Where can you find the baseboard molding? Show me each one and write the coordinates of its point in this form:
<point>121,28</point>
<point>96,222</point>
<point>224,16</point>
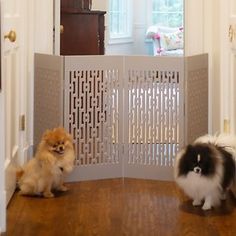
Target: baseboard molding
<point>28,153</point>
<point>3,212</point>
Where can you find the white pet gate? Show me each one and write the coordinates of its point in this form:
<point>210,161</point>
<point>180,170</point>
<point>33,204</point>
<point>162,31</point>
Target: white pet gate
<point>128,115</point>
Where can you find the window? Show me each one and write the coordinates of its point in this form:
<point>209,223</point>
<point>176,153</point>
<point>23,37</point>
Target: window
<point>167,12</point>
<point>120,21</point>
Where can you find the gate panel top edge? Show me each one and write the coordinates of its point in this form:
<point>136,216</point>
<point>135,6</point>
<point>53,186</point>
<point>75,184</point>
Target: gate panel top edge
<point>93,62</point>
<point>165,63</point>
<point>52,62</point>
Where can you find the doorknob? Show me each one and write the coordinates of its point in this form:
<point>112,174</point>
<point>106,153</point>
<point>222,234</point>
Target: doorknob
<point>11,36</point>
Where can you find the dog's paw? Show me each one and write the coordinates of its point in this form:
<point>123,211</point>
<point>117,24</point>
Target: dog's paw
<point>196,202</point>
<point>223,196</point>
<point>206,206</point>
<point>48,194</point>
<point>63,188</point>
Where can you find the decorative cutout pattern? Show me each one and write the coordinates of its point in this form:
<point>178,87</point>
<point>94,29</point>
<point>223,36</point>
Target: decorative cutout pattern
<point>93,115</point>
<point>153,117</point>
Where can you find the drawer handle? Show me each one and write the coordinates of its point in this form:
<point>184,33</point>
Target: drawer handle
<point>61,29</point>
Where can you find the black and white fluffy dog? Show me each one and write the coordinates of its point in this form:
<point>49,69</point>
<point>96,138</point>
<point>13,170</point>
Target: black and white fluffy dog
<point>205,170</point>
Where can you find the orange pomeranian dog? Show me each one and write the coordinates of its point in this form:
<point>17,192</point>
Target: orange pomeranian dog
<point>45,172</point>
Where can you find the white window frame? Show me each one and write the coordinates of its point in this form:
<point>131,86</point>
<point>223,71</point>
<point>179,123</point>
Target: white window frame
<point>149,16</point>
<point>127,37</point>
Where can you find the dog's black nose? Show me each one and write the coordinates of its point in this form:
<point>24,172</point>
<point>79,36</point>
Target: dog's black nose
<point>61,148</point>
<point>197,170</point>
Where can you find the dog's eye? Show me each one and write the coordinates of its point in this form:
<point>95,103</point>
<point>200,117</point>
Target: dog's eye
<point>62,142</point>
<point>54,146</point>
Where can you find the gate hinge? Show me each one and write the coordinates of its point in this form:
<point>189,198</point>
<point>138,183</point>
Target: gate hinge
<point>226,126</point>
<point>22,122</point>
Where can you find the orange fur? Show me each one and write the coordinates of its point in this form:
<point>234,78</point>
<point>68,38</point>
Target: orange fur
<point>19,174</point>
<point>45,172</point>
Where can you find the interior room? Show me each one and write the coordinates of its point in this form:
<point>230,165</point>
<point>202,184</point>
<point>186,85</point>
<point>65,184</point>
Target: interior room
<point>102,106</point>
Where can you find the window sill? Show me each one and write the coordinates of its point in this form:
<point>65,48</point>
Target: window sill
<point>121,40</point>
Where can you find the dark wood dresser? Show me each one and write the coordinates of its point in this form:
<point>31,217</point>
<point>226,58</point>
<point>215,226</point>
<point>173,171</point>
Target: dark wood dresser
<point>82,33</point>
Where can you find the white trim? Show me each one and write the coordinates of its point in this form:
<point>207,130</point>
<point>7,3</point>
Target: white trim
<point>43,26</point>
<point>224,65</point>
<point>3,212</point>
<point>120,40</point>
<point>232,58</point>
<point>2,138</point>
<point>57,16</point>
<point>27,153</point>
<point>193,27</point>
<point>30,75</point>
<point>126,39</point>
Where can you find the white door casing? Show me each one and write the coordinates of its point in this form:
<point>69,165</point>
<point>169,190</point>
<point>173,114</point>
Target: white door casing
<point>43,25</point>
<point>232,62</point>
<point>56,26</point>
<point>2,148</point>
<point>228,65</point>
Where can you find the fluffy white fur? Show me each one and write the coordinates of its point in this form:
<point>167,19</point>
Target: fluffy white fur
<point>202,188</point>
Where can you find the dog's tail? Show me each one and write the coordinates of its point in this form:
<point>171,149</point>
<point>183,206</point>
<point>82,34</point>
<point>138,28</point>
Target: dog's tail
<point>221,140</point>
<point>225,141</point>
<point>19,173</point>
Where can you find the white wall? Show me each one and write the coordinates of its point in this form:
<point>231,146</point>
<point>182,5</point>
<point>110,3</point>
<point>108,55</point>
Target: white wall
<point>40,40</point>
<point>43,23</point>
<point>194,27</point>
<point>212,47</point>
<point>202,35</point>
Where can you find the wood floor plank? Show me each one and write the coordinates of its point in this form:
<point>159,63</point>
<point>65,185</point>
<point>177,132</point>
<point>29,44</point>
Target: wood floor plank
<point>118,207</point>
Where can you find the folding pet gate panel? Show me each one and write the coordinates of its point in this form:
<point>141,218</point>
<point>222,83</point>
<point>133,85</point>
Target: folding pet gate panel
<point>128,115</point>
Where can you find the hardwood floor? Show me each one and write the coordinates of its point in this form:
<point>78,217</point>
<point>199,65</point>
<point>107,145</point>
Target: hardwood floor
<point>118,207</point>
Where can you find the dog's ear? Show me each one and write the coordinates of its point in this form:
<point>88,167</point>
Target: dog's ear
<point>46,134</point>
<point>189,148</point>
<point>60,129</point>
<point>69,136</point>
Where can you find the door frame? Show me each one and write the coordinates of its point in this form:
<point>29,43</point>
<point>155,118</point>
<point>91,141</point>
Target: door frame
<point>2,142</point>
<point>227,82</point>
<point>56,26</point>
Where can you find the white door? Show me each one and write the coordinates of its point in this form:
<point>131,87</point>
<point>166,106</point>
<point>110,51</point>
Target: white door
<point>228,65</point>
<point>12,71</point>
<point>10,97</point>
